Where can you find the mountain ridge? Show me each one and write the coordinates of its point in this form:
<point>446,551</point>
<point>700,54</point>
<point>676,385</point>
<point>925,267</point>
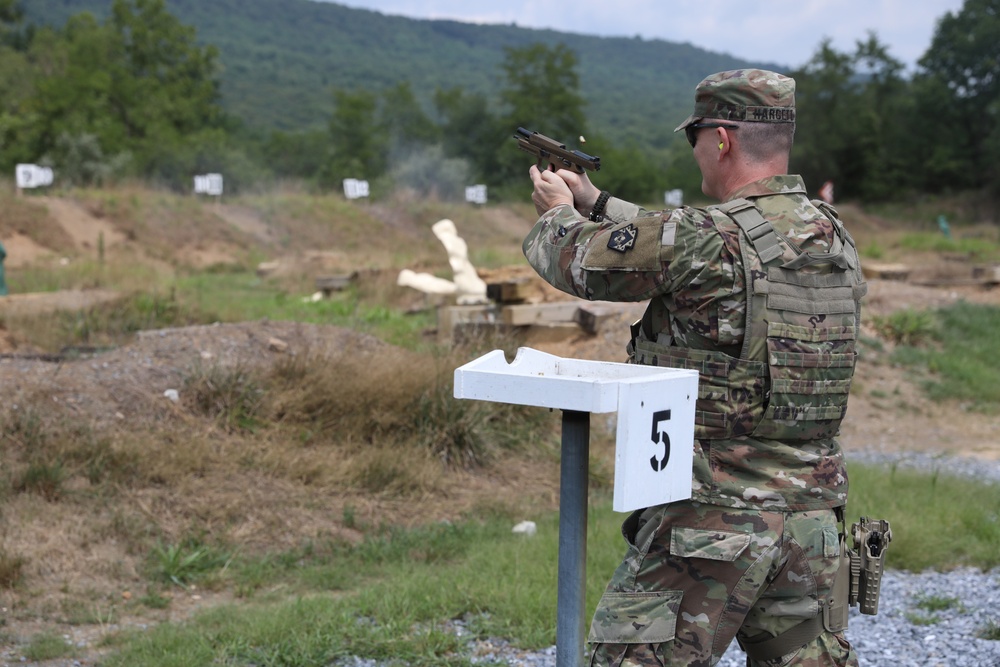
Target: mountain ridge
<point>281,59</point>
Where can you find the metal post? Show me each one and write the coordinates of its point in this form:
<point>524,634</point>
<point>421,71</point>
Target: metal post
<point>572,582</point>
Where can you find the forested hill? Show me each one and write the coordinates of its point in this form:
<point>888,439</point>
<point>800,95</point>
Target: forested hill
<point>281,59</point>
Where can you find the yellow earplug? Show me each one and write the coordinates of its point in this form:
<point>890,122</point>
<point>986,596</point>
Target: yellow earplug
<point>721,144</point>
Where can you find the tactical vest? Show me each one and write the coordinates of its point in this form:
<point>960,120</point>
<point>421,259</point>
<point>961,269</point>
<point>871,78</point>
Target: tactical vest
<point>803,312</point>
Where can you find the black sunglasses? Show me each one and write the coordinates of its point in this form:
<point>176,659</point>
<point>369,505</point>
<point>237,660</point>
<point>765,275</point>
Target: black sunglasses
<point>692,135</point>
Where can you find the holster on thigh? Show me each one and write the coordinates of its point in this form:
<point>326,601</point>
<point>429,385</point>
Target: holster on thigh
<point>833,616</point>
<point>836,609</point>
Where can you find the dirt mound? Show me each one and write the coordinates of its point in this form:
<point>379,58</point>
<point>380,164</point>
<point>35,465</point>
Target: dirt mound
<point>129,383</point>
<point>87,231</point>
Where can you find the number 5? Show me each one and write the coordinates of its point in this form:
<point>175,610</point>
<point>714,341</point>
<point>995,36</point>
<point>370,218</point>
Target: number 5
<point>660,436</point>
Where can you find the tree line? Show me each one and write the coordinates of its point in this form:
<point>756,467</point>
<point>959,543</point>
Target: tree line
<point>136,96</point>
<point>881,134</point>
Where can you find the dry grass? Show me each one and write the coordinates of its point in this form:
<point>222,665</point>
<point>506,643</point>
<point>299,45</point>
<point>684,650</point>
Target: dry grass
<point>111,322</point>
<point>263,453</point>
<point>167,224</point>
<point>397,396</point>
<point>11,569</point>
<point>22,215</point>
<point>310,389</point>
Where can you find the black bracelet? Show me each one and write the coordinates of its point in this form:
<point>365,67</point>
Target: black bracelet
<point>597,213</point>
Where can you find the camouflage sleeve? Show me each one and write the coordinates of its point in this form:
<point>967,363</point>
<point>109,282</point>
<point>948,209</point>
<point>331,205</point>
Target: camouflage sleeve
<point>629,260</point>
<point>620,210</point>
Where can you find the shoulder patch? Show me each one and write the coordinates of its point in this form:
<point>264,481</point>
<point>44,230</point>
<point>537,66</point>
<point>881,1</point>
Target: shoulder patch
<point>628,246</point>
<point>623,240</point>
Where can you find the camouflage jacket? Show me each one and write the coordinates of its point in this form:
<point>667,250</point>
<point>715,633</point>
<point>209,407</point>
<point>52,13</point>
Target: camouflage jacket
<point>688,263</point>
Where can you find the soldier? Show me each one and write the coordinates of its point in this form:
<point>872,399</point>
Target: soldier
<point>760,294</point>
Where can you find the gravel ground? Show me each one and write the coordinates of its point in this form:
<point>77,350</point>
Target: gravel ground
<point>958,466</point>
<point>902,634</point>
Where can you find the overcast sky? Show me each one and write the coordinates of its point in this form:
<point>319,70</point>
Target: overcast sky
<point>786,32</point>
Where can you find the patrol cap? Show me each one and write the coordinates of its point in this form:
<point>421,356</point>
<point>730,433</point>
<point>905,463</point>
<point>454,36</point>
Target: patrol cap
<point>754,95</point>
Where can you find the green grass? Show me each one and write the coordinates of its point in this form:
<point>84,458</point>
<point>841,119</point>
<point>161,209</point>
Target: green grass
<point>991,631</point>
<point>934,603</point>
<point>405,587</point>
<point>229,296</point>
<point>81,273</point>
<point>392,596</point>
<point>928,605</point>
<point>938,521</point>
<point>962,365</point>
<point>47,646</point>
<point>106,324</point>
<point>873,250</point>
<point>491,258</point>
<point>408,585</point>
<point>44,479</point>
<point>242,296</point>
<point>922,619</point>
<point>906,326</point>
<point>183,563</point>
<point>977,248</point>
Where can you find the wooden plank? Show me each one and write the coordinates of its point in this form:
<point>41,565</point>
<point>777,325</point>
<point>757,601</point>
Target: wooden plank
<point>327,284</point>
<point>511,291</point>
<point>988,274</point>
<point>549,333</point>
<point>452,317</point>
<point>539,313</point>
<point>590,316</point>
<point>886,271</point>
<point>594,316</point>
<point>956,282</point>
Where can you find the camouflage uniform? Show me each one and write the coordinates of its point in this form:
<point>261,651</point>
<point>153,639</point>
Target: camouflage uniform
<point>755,550</point>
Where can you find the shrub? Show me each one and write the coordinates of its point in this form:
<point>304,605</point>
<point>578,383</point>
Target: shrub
<point>229,394</point>
<point>11,569</point>
<point>183,563</point>
<point>906,326</point>
<point>45,479</point>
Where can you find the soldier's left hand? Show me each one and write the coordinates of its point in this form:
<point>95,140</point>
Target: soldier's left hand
<point>550,190</point>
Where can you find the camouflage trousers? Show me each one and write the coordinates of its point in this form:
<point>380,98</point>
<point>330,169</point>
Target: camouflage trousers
<point>697,576</point>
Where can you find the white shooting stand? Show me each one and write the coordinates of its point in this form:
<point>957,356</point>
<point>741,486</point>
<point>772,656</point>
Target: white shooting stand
<point>653,451</point>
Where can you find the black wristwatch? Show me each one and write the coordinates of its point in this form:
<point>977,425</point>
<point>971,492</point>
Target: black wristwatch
<point>597,213</point>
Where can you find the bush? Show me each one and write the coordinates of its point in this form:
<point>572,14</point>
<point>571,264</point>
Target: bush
<point>906,326</point>
<point>231,395</point>
<point>45,479</point>
<point>11,569</point>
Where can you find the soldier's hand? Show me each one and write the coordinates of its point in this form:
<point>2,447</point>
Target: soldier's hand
<point>550,190</point>
<point>584,192</point>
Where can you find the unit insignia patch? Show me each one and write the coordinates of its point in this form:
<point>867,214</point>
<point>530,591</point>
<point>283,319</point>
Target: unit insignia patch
<point>623,239</point>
